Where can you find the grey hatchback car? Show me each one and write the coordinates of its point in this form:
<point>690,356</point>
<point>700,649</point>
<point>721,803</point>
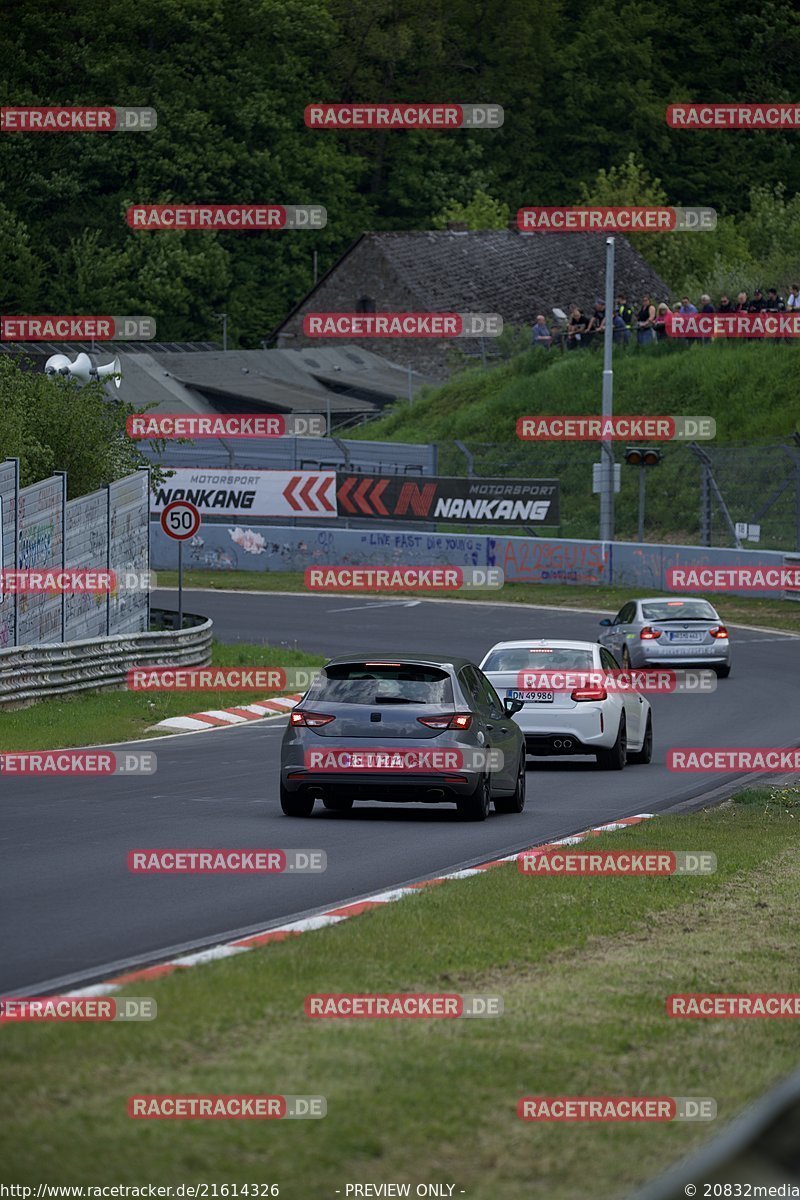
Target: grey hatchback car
<point>403,728</point>
<point>660,631</point>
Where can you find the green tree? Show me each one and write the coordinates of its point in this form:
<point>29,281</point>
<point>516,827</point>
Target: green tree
<point>51,423</point>
<point>480,212</point>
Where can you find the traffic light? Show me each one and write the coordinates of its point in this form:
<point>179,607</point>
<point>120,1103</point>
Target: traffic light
<point>643,456</point>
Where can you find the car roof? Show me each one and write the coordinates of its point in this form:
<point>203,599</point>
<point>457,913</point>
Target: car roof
<point>671,599</point>
<point>551,643</point>
<point>452,661</point>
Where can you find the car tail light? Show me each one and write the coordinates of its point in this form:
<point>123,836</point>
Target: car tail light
<point>447,721</point>
<point>719,631</point>
<point>589,693</point>
<point>647,634</point>
<point>301,716</point>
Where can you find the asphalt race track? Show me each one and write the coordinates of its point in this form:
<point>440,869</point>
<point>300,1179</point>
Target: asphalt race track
<point>64,843</point>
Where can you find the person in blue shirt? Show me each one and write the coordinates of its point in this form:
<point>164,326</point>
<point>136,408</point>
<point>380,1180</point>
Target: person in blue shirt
<point>687,306</point>
<point>540,334</point>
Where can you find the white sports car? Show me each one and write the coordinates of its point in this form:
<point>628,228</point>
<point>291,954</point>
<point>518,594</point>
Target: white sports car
<point>613,723</point>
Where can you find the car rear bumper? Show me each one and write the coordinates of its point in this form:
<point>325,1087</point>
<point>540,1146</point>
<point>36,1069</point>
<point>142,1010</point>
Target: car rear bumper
<point>585,726</point>
<point>547,744</point>
<point>427,787</point>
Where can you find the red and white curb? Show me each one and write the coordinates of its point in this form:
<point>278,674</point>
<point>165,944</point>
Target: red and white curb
<point>334,915</point>
<point>230,716</point>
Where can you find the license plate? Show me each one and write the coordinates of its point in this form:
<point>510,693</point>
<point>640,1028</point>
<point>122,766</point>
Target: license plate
<point>675,636</point>
<point>532,697</point>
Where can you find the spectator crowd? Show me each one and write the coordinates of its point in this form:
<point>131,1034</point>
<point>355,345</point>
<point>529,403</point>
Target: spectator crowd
<point>647,322</point>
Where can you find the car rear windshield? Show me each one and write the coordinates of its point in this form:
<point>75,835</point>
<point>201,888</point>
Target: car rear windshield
<point>522,658</point>
<point>679,610</point>
<point>379,683</point>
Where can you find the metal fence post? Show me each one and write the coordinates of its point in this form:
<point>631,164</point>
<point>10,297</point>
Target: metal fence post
<point>16,547</point>
<point>108,555</point>
<point>63,475</point>
<point>147,518</point>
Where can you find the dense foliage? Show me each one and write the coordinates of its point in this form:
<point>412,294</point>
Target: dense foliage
<point>584,89</point>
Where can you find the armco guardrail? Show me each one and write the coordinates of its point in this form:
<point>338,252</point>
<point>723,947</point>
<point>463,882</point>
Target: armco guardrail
<point>33,672</point>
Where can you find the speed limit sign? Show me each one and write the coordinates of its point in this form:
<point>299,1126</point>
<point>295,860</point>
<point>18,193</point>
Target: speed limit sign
<point>180,520</point>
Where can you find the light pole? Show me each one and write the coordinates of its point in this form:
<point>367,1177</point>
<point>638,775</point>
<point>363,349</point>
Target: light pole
<point>224,318</point>
<point>607,446</point>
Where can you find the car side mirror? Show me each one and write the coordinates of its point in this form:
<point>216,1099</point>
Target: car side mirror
<point>511,706</point>
<point>606,621</point>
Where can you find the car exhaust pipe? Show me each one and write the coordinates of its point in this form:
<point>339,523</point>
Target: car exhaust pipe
<point>567,744</point>
<point>557,743</point>
<point>317,792</point>
<point>434,794</point>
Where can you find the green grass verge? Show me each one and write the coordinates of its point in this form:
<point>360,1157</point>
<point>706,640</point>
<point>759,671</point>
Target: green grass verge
<point>93,718</point>
<point>773,614</point>
<point>584,966</point>
<point>747,387</point>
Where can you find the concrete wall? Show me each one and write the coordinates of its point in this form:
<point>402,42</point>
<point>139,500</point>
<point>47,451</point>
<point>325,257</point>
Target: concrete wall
<point>264,547</point>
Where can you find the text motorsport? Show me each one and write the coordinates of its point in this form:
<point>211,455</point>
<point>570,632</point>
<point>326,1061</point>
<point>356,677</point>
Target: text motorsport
<point>617,1108</point>
<point>78,762</point>
<point>401,325</point>
<point>227,218</point>
<point>395,115</point>
<point>214,679</point>
<point>398,579</point>
<point>77,1008</point>
<point>615,429</point>
<point>620,219</point>
<point>230,1107</point>
<point>402,1006</point>
<point>230,425</point>
<point>221,862</point>
<point>554,860</point>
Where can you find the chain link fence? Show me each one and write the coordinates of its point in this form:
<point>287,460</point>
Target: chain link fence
<point>697,494</point>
